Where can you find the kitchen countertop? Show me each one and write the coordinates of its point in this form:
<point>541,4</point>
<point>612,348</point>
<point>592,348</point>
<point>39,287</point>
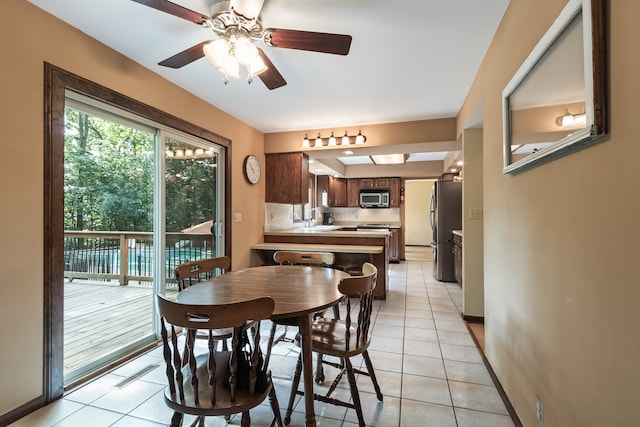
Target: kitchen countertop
<point>314,247</point>
<point>327,230</point>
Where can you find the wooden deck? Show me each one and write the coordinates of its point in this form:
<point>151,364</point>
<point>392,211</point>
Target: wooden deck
<point>100,317</point>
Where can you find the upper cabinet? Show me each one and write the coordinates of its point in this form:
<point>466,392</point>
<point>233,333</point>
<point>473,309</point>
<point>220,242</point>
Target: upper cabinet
<point>343,192</point>
<point>395,185</point>
<point>381,183</point>
<point>353,193</point>
<point>336,189</point>
<point>354,185</point>
<point>287,177</point>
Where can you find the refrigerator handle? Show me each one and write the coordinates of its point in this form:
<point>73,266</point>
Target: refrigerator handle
<point>432,212</point>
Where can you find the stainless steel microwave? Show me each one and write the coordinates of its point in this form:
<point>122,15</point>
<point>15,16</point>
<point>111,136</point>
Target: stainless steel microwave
<point>374,198</point>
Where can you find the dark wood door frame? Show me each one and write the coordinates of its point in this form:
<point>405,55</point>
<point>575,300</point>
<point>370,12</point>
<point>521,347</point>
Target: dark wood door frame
<point>56,82</point>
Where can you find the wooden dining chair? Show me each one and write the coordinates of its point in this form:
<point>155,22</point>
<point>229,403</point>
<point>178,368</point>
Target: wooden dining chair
<point>196,271</point>
<point>324,259</point>
<point>190,273</point>
<point>216,383</point>
<point>304,258</point>
<point>344,339</point>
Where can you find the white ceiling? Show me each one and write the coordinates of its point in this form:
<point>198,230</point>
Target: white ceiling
<point>409,59</point>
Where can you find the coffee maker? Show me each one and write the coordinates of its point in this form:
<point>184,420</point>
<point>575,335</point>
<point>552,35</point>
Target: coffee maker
<point>327,218</point>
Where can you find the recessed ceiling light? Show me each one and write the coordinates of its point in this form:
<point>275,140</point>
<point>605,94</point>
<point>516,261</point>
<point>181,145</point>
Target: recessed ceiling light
<point>347,152</point>
<point>454,170</point>
<point>389,159</point>
<point>311,161</point>
<point>460,163</point>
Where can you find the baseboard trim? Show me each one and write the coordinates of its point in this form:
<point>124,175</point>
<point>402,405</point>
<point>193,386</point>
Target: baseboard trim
<point>494,378</point>
<point>473,319</point>
<point>22,410</point>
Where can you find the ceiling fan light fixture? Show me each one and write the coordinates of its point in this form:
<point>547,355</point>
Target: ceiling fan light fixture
<point>245,51</point>
<point>256,66</point>
<point>237,24</point>
<point>231,68</point>
<point>217,51</point>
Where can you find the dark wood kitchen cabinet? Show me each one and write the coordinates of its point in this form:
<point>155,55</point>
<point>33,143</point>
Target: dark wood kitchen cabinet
<point>337,192</point>
<point>287,178</point>
<point>394,245</point>
<point>457,257</point>
<point>381,183</point>
<point>366,183</point>
<point>353,192</point>
<point>336,189</point>
<point>394,192</point>
<point>393,184</point>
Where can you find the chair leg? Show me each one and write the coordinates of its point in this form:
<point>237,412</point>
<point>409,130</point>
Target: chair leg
<point>294,390</point>
<point>246,419</point>
<point>176,419</point>
<point>336,311</point>
<point>270,343</point>
<point>372,374</point>
<point>354,391</point>
<point>275,407</point>
<point>273,341</point>
<point>319,378</point>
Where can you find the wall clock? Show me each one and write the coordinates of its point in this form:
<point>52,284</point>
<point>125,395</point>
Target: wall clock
<point>252,169</point>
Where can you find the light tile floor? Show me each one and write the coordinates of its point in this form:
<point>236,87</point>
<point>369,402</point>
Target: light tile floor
<point>427,364</point>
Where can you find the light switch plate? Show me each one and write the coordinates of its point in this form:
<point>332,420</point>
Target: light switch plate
<point>475,213</point>
<point>237,217</point>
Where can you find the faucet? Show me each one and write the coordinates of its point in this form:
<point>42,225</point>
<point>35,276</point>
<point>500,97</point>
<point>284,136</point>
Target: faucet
<point>309,220</point>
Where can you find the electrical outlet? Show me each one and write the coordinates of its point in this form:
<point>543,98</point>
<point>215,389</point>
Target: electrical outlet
<point>475,213</point>
<point>237,217</point>
<point>540,411</point>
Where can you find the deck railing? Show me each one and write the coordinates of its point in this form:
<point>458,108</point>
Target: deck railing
<point>114,255</point>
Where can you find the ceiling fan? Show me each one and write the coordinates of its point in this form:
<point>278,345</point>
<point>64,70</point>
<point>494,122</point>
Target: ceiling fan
<point>237,23</point>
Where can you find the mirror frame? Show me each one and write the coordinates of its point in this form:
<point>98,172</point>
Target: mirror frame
<point>594,77</point>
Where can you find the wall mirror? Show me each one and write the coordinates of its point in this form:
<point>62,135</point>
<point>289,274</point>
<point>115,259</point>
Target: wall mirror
<point>556,100</point>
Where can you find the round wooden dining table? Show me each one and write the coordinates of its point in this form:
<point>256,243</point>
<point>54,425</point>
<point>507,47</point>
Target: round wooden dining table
<point>298,292</point>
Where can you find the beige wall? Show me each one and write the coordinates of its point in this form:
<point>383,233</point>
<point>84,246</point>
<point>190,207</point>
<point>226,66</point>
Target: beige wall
<point>417,230</point>
<point>561,242</point>
<point>440,132</point>
<point>28,38</point>
<point>473,230</point>
<point>561,239</point>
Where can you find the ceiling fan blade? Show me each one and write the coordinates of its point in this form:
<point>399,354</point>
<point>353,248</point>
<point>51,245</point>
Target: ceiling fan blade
<point>185,57</point>
<point>271,78</point>
<point>337,44</point>
<point>175,10</point>
<point>248,9</point>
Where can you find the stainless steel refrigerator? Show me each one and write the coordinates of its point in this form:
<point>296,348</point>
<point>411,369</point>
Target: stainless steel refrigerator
<point>445,215</point>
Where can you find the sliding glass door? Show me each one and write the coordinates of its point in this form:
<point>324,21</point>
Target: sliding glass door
<point>193,202</point>
<point>139,200</point>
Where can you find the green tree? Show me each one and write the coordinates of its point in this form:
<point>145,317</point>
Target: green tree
<point>108,175</point>
<point>109,178</point>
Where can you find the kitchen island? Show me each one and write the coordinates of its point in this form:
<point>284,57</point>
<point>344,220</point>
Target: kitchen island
<point>351,248</point>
